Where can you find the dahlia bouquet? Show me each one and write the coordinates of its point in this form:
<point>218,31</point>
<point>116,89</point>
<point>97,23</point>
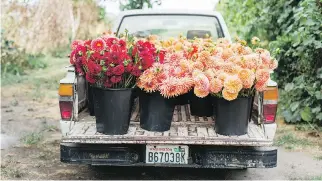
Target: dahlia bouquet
<point>233,70</point>
<point>169,80</point>
<point>113,62</point>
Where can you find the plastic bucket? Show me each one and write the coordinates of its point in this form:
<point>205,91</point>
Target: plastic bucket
<point>156,112</point>
<point>113,109</point>
<point>202,107</point>
<point>232,117</point>
<point>90,100</point>
<point>182,99</point>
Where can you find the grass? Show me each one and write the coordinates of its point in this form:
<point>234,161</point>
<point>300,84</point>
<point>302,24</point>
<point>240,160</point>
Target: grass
<point>32,138</point>
<point>50,128</point>
<point>308,178</point>
<point>318,157</point>
<point>10,170</point>
<point>290,141</point>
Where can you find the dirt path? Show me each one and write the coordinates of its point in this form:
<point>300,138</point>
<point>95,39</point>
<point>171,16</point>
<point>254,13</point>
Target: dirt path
<point>30,142</point>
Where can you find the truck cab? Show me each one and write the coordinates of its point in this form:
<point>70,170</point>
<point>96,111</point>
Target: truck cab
<point>202,147</point>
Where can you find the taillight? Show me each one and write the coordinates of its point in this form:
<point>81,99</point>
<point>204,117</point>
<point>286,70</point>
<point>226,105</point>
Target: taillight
<point>270,104</point>
<point>66,109</point>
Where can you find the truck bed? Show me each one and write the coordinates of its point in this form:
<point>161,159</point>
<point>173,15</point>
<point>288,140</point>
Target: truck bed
<point>185,129</point>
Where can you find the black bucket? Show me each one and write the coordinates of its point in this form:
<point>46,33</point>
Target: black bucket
<point>90,100</point>
<point>232,117</point>
<point>202,107</point>
<point>182,99</point>
<point>113,110</point>
<point>156,112</point>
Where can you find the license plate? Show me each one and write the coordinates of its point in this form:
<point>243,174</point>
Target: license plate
<point>172,154</point>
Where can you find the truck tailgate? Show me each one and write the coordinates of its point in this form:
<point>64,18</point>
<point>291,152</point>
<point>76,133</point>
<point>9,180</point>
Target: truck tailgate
<point>185,129</point>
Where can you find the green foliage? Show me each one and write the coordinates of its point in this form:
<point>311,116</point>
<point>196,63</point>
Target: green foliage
<point>294,31</point>
<point>138,4</point>
<point>14,60</point>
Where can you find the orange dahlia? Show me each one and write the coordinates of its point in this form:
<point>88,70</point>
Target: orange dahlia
<point>229,96</point>
<point>216,85</point>
<point>228,52</point>
<point>233,84</point>
<point>262,75</point>
<point>197,65</point>
<point>260,87</point>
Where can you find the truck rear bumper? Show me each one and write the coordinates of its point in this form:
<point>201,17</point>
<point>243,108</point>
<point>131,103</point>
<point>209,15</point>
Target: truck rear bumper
<point>199,156</point>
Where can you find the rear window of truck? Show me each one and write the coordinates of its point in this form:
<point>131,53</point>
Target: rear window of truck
<point>166,26</point>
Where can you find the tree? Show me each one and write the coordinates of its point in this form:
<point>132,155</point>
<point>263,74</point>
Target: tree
<point>292,30</point>
<point>138,4</point>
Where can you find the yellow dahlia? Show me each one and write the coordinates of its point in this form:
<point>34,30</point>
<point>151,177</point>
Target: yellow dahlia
<point>200,92</point>
<point>233,84</point>
<point>255,40</point>
<point>229,96</point>
<point>209,74</point>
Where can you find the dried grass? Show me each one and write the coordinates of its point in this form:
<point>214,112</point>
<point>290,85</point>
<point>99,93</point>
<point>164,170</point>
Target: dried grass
<point>43,26</point>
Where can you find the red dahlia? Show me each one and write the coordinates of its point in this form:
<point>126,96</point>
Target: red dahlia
<point>116,79</point>
<point>98,45</point>
<point>118,70</point>
<point>90,78</point>
<point>75,43</point>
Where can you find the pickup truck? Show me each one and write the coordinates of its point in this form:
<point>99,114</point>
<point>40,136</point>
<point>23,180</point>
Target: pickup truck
<point>204,148</point>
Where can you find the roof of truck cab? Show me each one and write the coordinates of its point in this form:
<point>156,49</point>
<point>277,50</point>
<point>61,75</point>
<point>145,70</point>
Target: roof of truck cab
<point>172,11</point>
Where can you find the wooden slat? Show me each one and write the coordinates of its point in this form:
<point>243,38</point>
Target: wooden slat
<point>256,132</point>
<point>173,131</point>
<point>211,131</point>
<point>76,127</point>
<point>259,130</point>
<point>91,130</point>
<point>81,130</point>
<point>158,133</point>
<point>179,113</point>
<point>135,113</point>
<point>250,132</point>
<point>186,110</point>
<point>149,133</point>
<point>131,130</point>
<point>182,131</point>
<point>166,133</point>
<point>183,113</point>
<point>175,114</point>
<point>202,131</point>
<point>196,118</point>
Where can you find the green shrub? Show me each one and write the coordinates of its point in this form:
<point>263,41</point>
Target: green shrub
<point>14,60</point>
<point>294,31</point>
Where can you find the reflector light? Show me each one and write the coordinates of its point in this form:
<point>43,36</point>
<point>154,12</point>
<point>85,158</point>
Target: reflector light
<point>66,109</point>
<point>270,104</point>
<point>65,89</point>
